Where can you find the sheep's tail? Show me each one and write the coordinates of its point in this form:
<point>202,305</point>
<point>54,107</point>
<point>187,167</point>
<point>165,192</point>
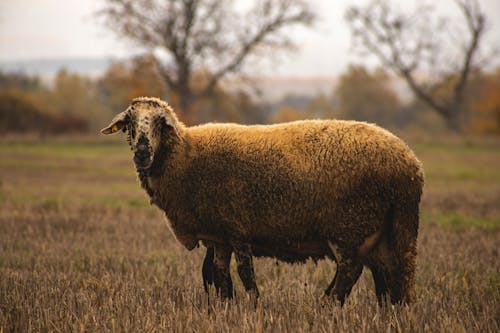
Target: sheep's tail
<point>403,238</point>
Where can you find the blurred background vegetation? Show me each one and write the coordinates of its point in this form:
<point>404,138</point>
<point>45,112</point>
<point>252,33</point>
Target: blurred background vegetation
<point>198,55</point>
<point>75,103</point>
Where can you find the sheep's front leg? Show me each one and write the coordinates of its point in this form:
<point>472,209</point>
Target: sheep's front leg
<point>207,270</point>
<point>245,269</point>
<point>222,276</point>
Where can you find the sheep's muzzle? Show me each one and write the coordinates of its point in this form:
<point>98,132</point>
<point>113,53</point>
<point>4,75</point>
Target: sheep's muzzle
<point>142,155</point>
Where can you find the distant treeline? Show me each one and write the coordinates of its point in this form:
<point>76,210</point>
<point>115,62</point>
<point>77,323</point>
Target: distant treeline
<point>20,115</point>
<point>75,103</point>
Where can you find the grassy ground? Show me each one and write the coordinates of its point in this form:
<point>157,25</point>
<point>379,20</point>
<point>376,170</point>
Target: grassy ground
<point>82,250</point>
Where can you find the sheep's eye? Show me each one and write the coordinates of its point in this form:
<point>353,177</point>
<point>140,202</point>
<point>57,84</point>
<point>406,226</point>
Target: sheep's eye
<point>131,131</point>
<point>158,125</point>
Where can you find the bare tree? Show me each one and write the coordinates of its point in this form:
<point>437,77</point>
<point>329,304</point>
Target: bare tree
<point>420,44</point>
<point>209,36</point>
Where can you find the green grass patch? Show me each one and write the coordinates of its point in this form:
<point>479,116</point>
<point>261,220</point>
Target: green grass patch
<point>67,150</point>
<point>455,220</point>
<point>138,202</point>
<point>457,147</point>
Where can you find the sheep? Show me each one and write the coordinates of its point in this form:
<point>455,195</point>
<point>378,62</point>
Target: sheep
<point>343,190</point>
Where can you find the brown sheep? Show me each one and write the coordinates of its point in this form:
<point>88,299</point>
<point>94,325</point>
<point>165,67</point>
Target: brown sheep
<point>343,190</point>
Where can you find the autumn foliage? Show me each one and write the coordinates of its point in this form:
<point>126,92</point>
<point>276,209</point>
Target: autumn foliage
<point>485,104</point>
<point>75,103</point>
<point>367,96</point>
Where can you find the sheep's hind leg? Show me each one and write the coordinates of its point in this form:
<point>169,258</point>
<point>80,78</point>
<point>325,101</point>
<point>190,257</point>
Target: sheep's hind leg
<point>346,276</point>
<point>380,284</point>
<point>222,276</point>
<point>246,271</point>
<point>349,269</point>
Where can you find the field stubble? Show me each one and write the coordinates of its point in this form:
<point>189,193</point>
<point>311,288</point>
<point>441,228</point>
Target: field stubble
<point>81,250</point>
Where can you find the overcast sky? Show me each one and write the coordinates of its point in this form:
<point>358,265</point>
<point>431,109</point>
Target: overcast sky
<point>34,29</point>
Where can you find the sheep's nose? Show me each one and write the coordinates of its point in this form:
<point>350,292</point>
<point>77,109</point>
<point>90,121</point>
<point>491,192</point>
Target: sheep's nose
<point>142,153</point>
<point>141,156</point>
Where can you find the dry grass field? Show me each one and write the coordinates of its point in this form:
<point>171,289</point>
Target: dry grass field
<point>82,250</point>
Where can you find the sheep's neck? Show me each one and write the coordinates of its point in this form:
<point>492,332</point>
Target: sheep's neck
<point>144,178</point>
<point>151,177</point>
<point>147,177</point>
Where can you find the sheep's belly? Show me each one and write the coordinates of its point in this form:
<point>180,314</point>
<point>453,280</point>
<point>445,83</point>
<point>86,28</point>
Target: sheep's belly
<point>291,251</point>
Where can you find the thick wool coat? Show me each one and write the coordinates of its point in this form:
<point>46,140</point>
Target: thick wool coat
<point>288,188</point>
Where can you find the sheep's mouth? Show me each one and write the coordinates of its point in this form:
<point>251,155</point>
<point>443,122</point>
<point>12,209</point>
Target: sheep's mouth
<point>143,159</point>
<point>142,163</point>
<point>143,166</point>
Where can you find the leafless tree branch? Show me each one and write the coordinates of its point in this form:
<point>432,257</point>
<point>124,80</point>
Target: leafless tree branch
<point>204,35</point>
<point>407,44</point>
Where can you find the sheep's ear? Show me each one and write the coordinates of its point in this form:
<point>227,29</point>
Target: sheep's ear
<point>171,125</point>
<point>119,122</point>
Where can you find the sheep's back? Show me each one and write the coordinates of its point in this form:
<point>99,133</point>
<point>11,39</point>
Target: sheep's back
<point>307,177</point>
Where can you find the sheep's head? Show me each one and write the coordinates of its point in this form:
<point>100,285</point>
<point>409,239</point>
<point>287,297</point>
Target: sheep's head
<point>148,121</point>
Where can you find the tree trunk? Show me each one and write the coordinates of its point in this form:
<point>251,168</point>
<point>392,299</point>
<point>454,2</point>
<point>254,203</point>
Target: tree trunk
<point>186,102</point>
<point>457,118</point>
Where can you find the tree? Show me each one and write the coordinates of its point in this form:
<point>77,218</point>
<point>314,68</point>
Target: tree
<point>366,96</point>
<point>418,44</point>
<point>126,80</point>
<point>75,96</point>
<point>320,106</point>
<point>19,81</point>
<point>287,113</point>
<point>224,105</point>
<point>485,102</point>
<point>188,36</point>
<point>71,93</point>
<point>20,113</point>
